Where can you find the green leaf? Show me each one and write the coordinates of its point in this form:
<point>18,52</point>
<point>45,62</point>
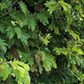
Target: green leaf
<point>3,48</point>
<point>45,40</point>
<point>5,4</point>
<point>34,35</point>
<point>52,5</point>
<point>12,34</point>
<point>46,65</point>
<point>30,61</point>
<point>21,23</point>
<point>43,18</point>
<point>51,26</point>
<point>49,63</point>
<point>6,71</point>
<point>41,83</point>
<point>31,43</point>
<point>9,55</point>
<point>78,50</point>
<point>56,30</point>
<point>52,61</point>
<point>24,38</point>
<point>12,81</point>
<point>19,52</point>
<point>64,5</point>
<point>25,57</point>
<point>23,7</point>
<point>25,66</point>
<point>82,1</point>
<point>32,24</point>
<point>59,51</point>
<point>18,31</point>
<point>21,71</point>
<point>3,45</point>
<point>24,41</point>
<point>75,36</point>
<point>22,76</point>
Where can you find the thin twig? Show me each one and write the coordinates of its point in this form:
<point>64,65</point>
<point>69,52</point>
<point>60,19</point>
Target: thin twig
<point>9,9</point>
<point>4,62</point>
<point>8,78</point>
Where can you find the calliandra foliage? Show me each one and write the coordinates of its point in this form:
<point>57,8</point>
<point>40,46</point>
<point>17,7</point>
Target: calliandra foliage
<point>41,42</point>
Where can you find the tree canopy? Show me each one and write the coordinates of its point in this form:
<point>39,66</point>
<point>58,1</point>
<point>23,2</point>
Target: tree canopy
<point>41,42</point>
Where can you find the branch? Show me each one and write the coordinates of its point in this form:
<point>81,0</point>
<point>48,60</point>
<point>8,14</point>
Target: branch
<point>9,9</point>
<point>8,78</point>
<point>4,62</point>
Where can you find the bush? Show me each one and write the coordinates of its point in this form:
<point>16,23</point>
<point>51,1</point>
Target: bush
<point>41,42</point>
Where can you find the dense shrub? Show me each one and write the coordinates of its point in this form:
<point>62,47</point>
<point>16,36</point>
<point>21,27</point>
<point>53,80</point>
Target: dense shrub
<point>41,42</point>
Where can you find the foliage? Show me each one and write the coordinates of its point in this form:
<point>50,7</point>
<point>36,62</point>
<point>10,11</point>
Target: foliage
<point>41,42</point>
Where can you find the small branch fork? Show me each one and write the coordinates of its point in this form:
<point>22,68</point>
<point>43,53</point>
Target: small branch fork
<point>9,9</point>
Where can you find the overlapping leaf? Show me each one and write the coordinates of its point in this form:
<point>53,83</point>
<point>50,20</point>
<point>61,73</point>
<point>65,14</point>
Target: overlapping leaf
<point>6,71</point>
<point>23,7</point>
<point>43,18</point>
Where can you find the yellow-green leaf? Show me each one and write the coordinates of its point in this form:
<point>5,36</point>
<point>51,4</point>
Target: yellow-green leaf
<point>78,50</point>
<point>64,5</point>
<point>25,66</point>
<point>14,23</point>
<point>40,68</point>
<point>33,67</point>
<point>21,71</point>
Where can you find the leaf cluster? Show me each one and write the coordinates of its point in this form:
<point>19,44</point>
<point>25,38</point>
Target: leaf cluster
<point>41,42</point>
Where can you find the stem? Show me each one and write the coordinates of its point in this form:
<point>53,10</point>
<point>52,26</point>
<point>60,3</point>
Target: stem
<point>4,62</point>
<point>8,78</point>
<point>9,9</point>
